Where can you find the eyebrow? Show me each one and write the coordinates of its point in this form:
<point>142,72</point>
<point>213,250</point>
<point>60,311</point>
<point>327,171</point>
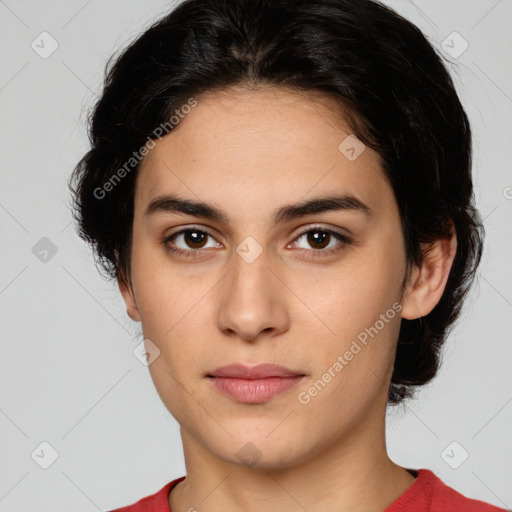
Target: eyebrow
<point>174,204</point>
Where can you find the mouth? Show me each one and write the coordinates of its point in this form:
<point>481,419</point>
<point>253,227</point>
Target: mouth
<point>260,371</point>
<point>254,385</point>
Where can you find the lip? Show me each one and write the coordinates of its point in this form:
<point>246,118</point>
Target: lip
<point>253,391</point>
<point>253,385</point>
<point>260,371</point>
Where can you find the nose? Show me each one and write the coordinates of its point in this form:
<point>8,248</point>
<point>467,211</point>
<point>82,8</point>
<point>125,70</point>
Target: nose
<point>253,301</point>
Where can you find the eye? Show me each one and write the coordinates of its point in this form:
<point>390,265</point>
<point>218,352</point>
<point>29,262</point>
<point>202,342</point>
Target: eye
<point>188,242</point>
<point>322,240</point>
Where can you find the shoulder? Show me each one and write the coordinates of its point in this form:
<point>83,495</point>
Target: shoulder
<point>157,502</point>
<point>430,494</point>
<point>447,498</point>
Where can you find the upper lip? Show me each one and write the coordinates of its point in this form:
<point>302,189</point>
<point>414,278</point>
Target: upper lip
<point>260,371</point>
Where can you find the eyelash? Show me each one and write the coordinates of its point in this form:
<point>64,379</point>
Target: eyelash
<point>193,253</point>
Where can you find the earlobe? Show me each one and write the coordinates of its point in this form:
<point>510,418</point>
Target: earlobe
<point>428,281</point>
<point>128,297</point>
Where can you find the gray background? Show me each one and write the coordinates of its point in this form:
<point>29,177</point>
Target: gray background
<point>68,374</point>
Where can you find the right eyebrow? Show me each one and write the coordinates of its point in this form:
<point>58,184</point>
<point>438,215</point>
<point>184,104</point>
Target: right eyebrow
<point>173,204</point>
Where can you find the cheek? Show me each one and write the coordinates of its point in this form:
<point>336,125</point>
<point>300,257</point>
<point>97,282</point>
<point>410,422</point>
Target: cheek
<point>162,295</point>
<point>357,317</point>
<point>174,311</point>
<point>354,295</point>
<point>170,374</point>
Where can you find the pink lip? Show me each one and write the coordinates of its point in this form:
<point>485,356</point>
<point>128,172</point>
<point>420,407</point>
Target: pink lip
<point>255,384</point>
<point>253,391</point>
<point>260,371</point>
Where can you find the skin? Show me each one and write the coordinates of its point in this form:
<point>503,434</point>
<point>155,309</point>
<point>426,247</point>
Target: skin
<point>250,152</point>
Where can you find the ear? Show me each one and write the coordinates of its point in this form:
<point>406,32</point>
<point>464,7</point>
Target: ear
<point>427,282</point>
<point>129,299</point>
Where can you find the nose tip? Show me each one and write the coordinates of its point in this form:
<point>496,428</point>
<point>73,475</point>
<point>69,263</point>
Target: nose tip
<point>250,307</point>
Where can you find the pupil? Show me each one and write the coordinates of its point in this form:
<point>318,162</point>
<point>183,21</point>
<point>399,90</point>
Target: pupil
<point>319,237</point>
<point>190,235</point>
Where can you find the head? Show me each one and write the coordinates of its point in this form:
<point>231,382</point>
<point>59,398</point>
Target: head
<point>320,159</point>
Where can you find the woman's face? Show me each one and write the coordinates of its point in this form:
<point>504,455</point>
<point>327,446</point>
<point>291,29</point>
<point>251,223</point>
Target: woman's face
<point>259,286</point>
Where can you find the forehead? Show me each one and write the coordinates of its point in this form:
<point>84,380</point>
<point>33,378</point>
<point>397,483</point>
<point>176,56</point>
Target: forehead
<point>249,147</point>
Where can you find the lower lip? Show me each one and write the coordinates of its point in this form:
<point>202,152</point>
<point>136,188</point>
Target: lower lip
<point>254,391</point>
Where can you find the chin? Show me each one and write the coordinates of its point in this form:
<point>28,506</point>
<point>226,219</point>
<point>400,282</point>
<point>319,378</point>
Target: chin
<point>263,454</point>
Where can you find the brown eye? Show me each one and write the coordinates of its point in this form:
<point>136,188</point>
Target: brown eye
<point>189,242</point>
<point>318,239</point>
<point>322,241</point>
<point>195,239</point>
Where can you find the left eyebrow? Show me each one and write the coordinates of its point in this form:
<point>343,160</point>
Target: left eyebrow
<point>174,204</point>
<point>344,202</point>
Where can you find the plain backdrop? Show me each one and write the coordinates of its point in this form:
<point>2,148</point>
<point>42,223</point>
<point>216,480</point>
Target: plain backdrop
<point>69,378</point>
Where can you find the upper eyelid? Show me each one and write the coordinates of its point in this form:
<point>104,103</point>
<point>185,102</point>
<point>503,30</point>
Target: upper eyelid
<point>187,229</point>
<point>303,232</point>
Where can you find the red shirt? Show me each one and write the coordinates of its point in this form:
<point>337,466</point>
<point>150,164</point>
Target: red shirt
<point>427,494</point>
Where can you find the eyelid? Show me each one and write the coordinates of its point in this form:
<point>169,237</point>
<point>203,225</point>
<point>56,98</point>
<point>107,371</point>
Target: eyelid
<point>343,241</point>
<point>307,229</point>
<point>343,238</point>
<point>190,227</point>
<point>319,227</point>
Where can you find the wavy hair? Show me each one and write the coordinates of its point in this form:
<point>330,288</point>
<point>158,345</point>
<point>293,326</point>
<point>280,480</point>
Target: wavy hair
<point>393,90</point>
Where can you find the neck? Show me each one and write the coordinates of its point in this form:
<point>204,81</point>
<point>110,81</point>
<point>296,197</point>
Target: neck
<point>355,473</point>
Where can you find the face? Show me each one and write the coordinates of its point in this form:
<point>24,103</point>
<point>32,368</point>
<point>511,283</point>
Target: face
<point>316,291</point>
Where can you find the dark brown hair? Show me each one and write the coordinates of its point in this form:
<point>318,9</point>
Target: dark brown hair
<point>396,92</point>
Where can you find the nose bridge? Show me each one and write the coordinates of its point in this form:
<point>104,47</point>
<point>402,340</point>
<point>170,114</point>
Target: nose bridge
<point>249,270</point>
<point>250,302</point>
